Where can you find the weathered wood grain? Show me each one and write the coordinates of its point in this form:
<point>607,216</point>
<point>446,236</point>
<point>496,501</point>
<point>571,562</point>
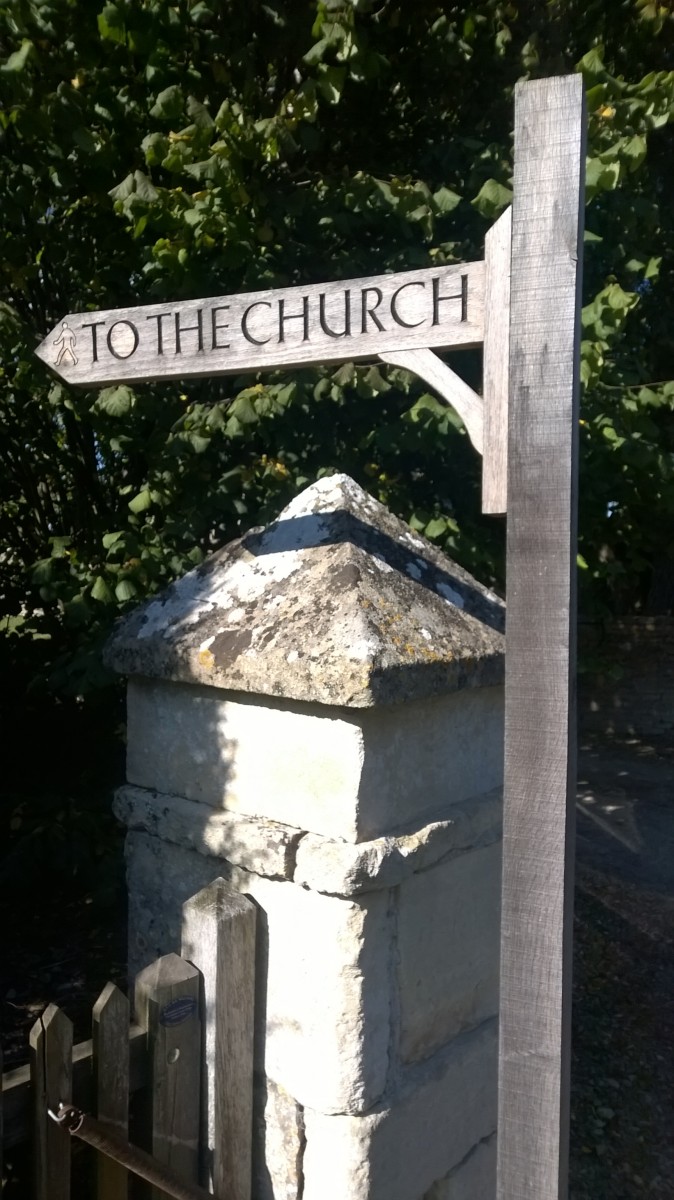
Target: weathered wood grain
<point>16,1085</point>
<point>51,1049</point>
<point>540,647</point>
<point>167,1003</point>
<point>219,938</point>
<point>110,1044</point>
<point>495,372</point>
<point>351,319</point>
<point>447,383</point>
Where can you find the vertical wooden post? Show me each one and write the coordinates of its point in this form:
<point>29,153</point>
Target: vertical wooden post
<point>51,1071</point>
<point>496,368</point>
<point>538,844</point>
<point>110,1048</point>
<point>219,938</point>
<point>167,1003</point>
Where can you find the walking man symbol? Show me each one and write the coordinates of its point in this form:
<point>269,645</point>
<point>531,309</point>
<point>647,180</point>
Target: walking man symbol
<point>68,340</point>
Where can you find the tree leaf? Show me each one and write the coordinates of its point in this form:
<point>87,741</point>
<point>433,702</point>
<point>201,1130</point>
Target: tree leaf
<point>144,188</point>
<point>331,82</point>
<point>116,401</point>
<point>125,590</point>
<point>155,147</point>
<point>445,200</point>
<point>592,64</point>
<point>100,591</point>
<point>141,502</point>
<point>17,61</point>
<point>169,104</point>
<point>492,198</point>
<point>436,527</point>
<point>124,189</point>
<point>199,114</point>
<point>111,24</point>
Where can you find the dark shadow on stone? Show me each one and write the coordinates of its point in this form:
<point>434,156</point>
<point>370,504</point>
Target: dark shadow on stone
<point>340,527</point>
<point>398,684</point>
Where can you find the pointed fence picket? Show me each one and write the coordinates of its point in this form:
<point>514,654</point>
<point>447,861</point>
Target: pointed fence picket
<point>167,1004</point>
<point>51,1070</point>
<point>156,1062</point>
<point>110,1063</point>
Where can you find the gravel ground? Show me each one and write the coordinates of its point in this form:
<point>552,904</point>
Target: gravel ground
<point>622,1144</point>
<point>623,1036</point>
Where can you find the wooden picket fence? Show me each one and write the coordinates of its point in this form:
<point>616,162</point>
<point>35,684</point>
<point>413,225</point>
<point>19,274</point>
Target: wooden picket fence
<point>156,1062</point>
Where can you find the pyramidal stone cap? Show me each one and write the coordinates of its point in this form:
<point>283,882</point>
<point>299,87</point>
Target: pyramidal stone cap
<point>336,602</point>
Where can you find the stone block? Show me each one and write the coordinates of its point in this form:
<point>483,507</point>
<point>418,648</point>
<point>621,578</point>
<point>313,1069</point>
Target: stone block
<point>348,869</point>
<point>448,946</point>
<point>421,759</point>
<point>323,976</point>
<point>316,716</point>
<point>336,601</point>
<point>351,774</point>
<point>398,1151</point>
<point>160,878</point>
<point>473,1179</point>
<point>323,864</point>
<point>263,847</point>
<point>278,1144</point>
<point>299,765</point>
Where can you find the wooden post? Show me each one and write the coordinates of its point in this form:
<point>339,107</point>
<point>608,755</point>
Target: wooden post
<point>496,367</point>
<point>167,1003</point>
<point>110,1043</point>
<point>538,844</point>
<point>51,1068</point>
<point>2,1127</point>
<point>219,938</point>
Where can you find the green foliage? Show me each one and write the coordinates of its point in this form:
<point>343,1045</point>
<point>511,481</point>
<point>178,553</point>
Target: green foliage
<point>154,152</point>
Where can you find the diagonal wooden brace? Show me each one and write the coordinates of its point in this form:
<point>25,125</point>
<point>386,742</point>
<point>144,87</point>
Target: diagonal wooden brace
<point>485,417</point>
<point>444,381</point>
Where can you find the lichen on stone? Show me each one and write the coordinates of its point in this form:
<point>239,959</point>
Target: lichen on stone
<point>337,601</point>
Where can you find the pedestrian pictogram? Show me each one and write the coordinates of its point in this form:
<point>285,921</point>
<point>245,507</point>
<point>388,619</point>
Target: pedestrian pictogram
<point>68,342</point>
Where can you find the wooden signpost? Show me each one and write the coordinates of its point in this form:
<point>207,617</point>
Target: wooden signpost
<point>522,303</point>
<point>540,769</point>
<point>287,327</point>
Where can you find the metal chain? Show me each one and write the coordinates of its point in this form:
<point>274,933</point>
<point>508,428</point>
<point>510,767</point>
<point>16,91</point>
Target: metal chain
<point>79,1124</point>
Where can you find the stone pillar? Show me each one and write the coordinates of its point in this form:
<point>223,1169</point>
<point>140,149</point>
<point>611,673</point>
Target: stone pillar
<point>315,715</point>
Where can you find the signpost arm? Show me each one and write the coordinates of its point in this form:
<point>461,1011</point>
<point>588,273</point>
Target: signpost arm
<point>540,659</point>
